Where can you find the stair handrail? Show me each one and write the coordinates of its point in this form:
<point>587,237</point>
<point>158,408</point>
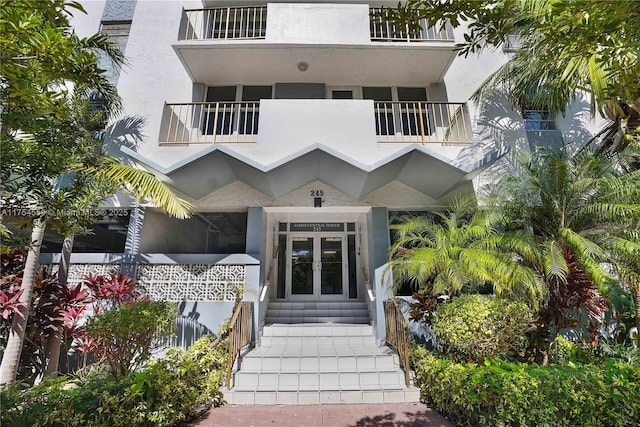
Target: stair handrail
<point>397,335</point>
<point>239,334</point>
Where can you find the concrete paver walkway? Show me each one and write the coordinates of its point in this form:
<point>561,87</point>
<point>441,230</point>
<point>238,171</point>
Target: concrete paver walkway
<point>381,415</point>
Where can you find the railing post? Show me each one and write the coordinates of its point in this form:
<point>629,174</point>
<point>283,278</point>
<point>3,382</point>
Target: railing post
<point>170,121</point>
<point>397,335</point>
<point>230,357</point>
<point>215,122</point>
<point>421,122</point>
<point>239,334</point>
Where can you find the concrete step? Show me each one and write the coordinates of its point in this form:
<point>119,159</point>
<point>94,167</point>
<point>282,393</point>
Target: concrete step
<point>328,305</point>
<point>317,330</point>
<point>318,364</point>
<point>319,381</point>
<point>315,319</point>
<point>322,341</point>
<point>234,397</point>
<point>317,312</point>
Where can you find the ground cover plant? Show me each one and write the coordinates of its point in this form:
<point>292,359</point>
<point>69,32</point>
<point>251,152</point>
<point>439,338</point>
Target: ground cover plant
<point>601,392</point>
<point>167,391</point>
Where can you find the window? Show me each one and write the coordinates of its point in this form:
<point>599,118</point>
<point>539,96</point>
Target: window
<point>413,116</point>
<point>204,232</point>
<point>118,33</point>
<point>341,94</point>
<point>541,119</point>
<point>399,110</point>
<point>228,116</point>
<point>383,108</point>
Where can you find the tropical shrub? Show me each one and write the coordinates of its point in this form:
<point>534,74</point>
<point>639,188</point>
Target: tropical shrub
<point>463,251</point>
<point>566,351</point>
<point>475,327</point>
<point>51,310</point>
<point>500,393</point>
<point>126,336</point>
<point>167,391</point>
<point>183,382</point>
<point>57,312</point>
<point>424,306</point>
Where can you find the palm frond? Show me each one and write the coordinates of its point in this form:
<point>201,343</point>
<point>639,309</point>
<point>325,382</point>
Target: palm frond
<point>581,246</point>
<point>145,185</point>
<point>555,265</point>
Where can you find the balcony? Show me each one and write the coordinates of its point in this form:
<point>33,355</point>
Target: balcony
<point>224,23</point>
<point>354,121</point>
<point>383,30</point>
<point>246,23</point>
<point>342,43</point>
<point>424,122</point>
<point>210,122</point>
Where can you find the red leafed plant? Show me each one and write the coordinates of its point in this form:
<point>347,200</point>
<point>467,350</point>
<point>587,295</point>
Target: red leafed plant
<point>10,302</point>
<point>114,290</point>
<point>579,293</point>
<point>57,312</point>
<point>10,292</point>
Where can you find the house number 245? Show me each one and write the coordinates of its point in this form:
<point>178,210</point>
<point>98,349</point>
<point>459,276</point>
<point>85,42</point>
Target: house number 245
<point>317,193</point>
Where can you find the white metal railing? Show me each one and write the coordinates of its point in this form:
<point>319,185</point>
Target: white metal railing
<point>443,122</point>
<point>383,29</point>
<point>225,23</point>
<point>210,122</point>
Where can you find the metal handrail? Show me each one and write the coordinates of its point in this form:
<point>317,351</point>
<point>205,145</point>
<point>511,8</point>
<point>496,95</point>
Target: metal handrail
<point>419,121</point>
<point>225,23</point>
<point>385,30</point>
<point>239,334</point>
<point>398,335</point>
<point>210,122</point>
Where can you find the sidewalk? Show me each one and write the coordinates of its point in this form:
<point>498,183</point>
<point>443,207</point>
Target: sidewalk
<point>379,415</point>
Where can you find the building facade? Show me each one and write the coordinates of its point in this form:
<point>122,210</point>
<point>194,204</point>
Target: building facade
<point>301,131</point>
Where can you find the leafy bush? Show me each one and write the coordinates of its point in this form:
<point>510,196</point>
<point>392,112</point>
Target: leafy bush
<point>565,351</point>
<point>167,391</point>
<point>424,306</point>
<point>501,393</point>
<point>475,327</point>
<point>126,336</point>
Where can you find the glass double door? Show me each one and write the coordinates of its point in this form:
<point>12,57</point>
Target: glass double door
<point>317,267</point>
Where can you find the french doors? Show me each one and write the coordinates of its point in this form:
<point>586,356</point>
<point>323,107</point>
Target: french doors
<point>317,267</point>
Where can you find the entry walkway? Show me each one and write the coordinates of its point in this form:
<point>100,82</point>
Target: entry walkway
<point>380,415</point>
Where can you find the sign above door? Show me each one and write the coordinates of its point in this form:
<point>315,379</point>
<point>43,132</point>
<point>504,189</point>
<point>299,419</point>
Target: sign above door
<point>316,226</point>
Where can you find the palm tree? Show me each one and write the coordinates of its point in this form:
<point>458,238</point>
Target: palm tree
<point>463,250</point>
<point>41,137</point>
<point>87,188</point>
<point>564,49</point>
<point>582,211</point>
<point>626,255</point>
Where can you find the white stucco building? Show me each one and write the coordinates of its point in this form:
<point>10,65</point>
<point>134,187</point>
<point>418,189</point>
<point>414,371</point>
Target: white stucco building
<point>300,131</point>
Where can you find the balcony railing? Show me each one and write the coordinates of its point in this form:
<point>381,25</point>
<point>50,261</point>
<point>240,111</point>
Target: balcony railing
<point>384,30</point>
<point>210,122</point>
<point>225,23</point>
<point>424,122</point>
<point>237,122</point>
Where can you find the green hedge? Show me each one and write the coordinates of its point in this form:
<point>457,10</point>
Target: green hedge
<point>475,327</point>
<point>501,393</point>
<point>166,392</point>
